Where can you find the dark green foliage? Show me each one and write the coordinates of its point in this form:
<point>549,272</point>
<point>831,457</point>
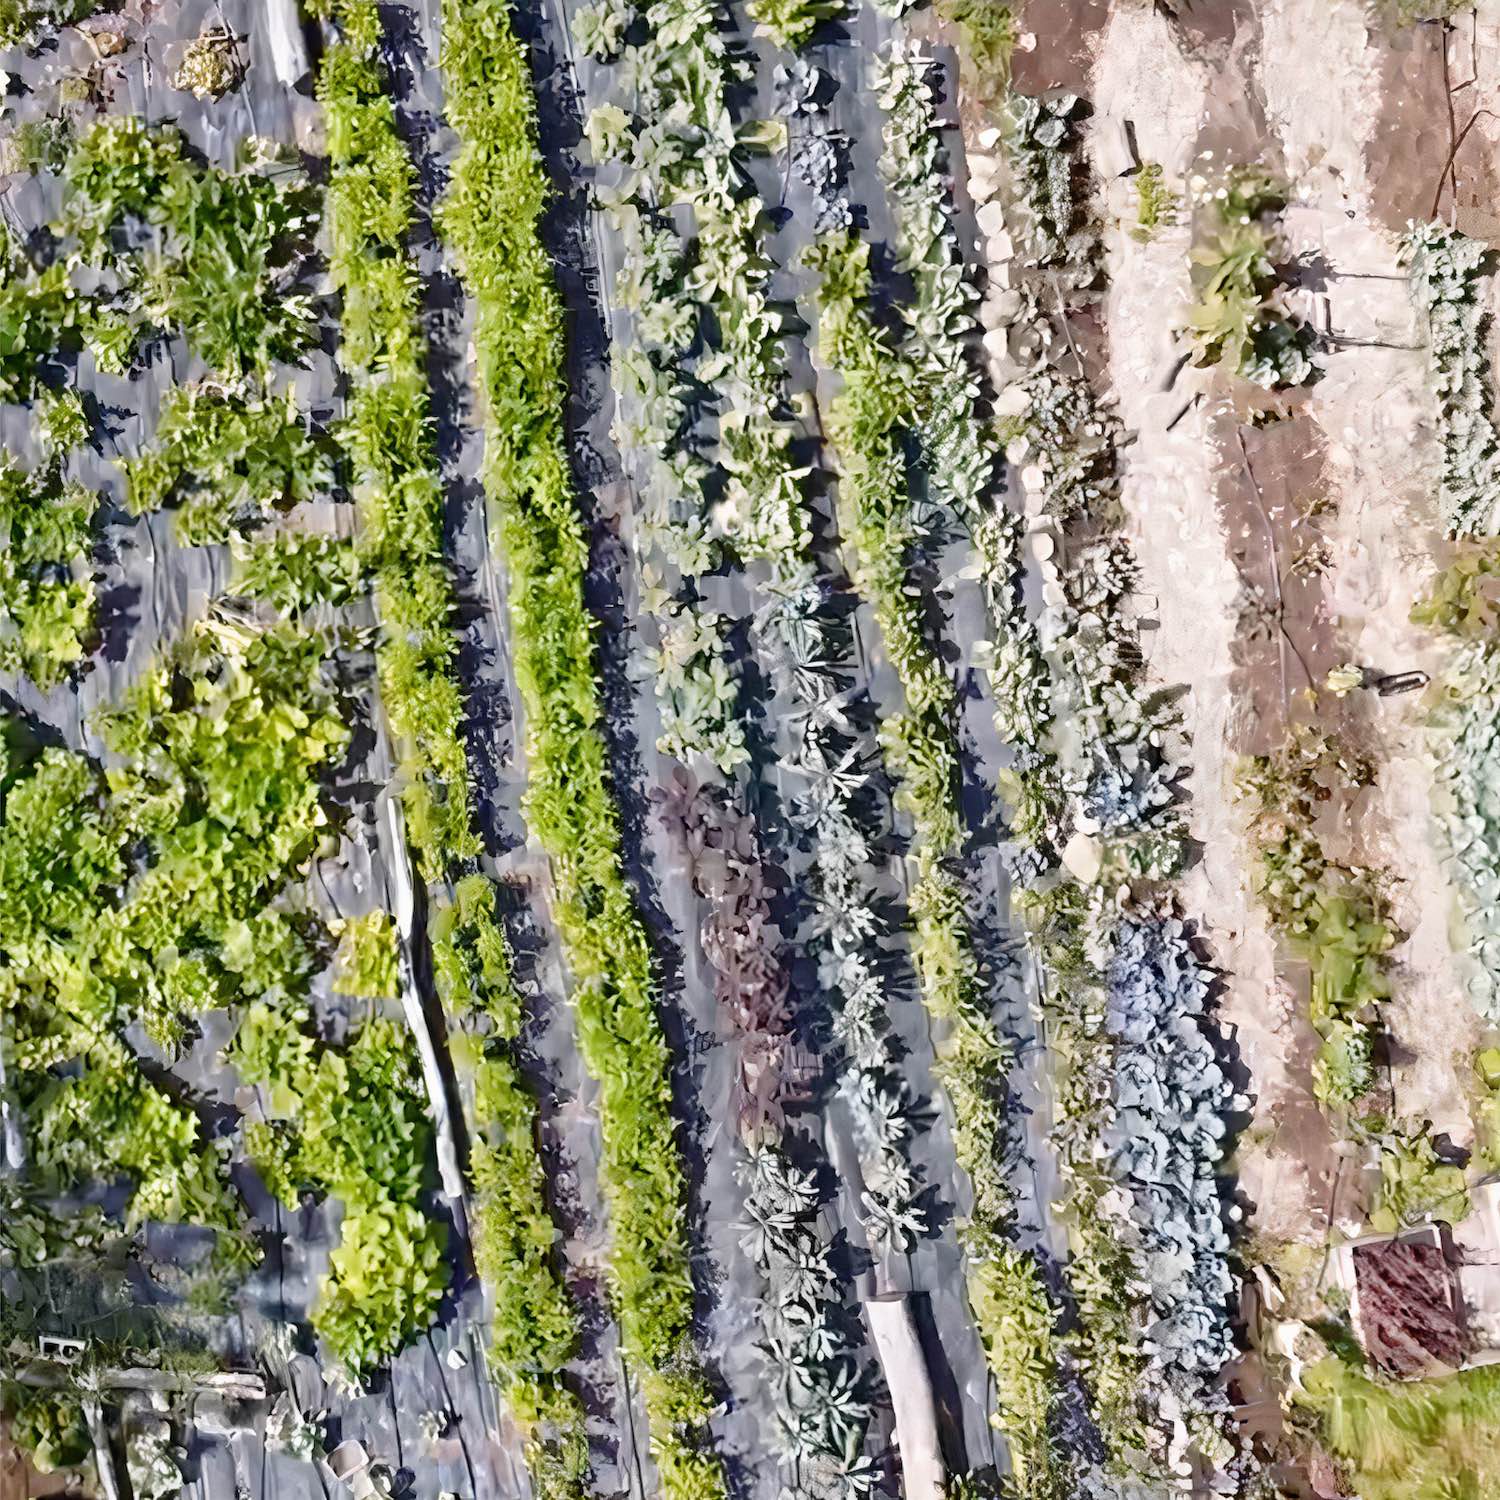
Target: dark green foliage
<point>227,259</point>
<point>49,1425</point>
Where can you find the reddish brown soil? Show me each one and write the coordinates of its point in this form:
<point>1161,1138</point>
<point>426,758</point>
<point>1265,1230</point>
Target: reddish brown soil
<point>1419,124</point>
<point>1408,1301</point>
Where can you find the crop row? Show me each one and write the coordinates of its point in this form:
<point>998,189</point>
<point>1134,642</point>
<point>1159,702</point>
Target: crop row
<point>711,293</point>
<point>491,218</point>
<point>1091,808</point>
<point>388,434</point>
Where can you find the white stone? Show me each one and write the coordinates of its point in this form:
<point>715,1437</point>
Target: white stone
<point>1009,303</point>
<point>996,343</point>
<point>1084,858</point>
<point>991,220</point>
<point>1013,401</point>
<point>1033,477</point>
<point>990,138</point>
<point>1044,546</point>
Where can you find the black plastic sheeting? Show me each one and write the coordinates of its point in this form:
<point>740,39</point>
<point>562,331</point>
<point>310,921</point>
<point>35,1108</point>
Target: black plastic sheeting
<point>152,587</point>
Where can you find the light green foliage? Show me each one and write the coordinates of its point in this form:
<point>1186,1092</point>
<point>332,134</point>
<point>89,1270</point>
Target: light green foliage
<point>359,1130</point>
<point>491,218</point>
<point>1416,1184</point>
<point>228,245</point>
<point>791,23</point>
<point>987,37</point>
<point>46,572</point>
<point>227,459</point>
<point>599,29</point>
<point>62,421</point>
<point>1464,599</point>
<point>210,66</point>
<point>697,689</point>
<point>1332,915</point>
<point>39,317</point>
<point>401,511</point>
<point>1238,319</point>
<point>1155,202</point>
<point>1433,1439</point>
<point>366,963</point>
<point>296,570</point>
<point>39,145</point>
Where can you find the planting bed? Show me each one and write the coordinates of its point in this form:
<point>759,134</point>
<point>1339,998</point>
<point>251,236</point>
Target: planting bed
<point>747,750</point>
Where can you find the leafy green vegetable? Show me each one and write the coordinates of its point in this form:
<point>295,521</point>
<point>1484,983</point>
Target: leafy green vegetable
<point>491,218</point>
<point>1238,318</point>
<point>229,459</point>
<point>227,259</point>
<point>366,963</point>
<point>400,495</point>
<point>46,572</point>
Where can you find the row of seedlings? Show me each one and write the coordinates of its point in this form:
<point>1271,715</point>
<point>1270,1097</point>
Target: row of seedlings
<point>1449,276</point>
<point>925,390</point>
<point>388,433</point>
<point>1090,791</point>
<point>676,287</point>
<point>491,218</point>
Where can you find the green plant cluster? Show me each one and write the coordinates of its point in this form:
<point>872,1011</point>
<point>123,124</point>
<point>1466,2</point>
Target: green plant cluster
<point>24,22</point>
<point>352,1122</point>
<point>865,426</point>
<point>41,315</point>
<point>1409,1439</point>
<point>1464,599</point>
<point>225,265</point>
<point>155,891</point>
<point>1416,1184</point>
<point>1332,915</point>
<point>295,571</point>
<point>367,963</point>
<point>791,23</point>
<point>1155,202</point>
<point>1239,319</point>
<point>46,572</point>
<point>400,494</point>
<point>1447,280</point>
<point>229,458</point>
<point>50,1426</point>
<point>490,216</point>
<point>987,33</point>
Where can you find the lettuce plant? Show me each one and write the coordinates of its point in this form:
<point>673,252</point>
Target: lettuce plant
<point>228,261</point>
<point>401,503</point>
<point>46,572</point>
<point>490,217</point>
